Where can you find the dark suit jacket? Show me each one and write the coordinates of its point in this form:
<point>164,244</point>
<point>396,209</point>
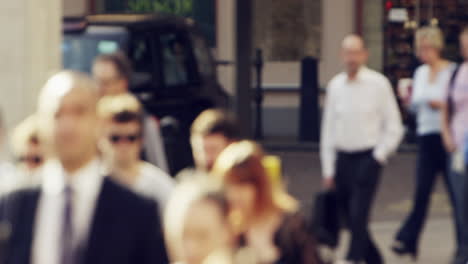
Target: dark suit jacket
<point>125,228</point>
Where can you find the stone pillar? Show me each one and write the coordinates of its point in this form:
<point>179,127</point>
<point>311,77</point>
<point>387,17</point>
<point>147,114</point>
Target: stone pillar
<point>373,32</point>
<point>337,22</point>
<point>30,53</point>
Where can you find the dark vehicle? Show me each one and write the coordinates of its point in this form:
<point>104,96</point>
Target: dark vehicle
<point>174,72</point>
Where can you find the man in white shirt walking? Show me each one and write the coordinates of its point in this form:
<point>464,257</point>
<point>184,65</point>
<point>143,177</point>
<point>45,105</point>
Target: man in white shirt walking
<point>361,128</point>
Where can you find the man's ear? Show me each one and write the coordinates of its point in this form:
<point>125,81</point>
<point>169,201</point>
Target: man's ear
<point>124,85</point>
<point>366,54</point>
<point>102,143</point>
<point>99,128</point>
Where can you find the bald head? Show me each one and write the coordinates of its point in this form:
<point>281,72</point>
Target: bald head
<point>354,54</point>
<point>61,84</point>
<point>353,42</point>
<point>67,106</point>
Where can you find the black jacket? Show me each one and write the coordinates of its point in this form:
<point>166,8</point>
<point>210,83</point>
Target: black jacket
<point>125,228</point>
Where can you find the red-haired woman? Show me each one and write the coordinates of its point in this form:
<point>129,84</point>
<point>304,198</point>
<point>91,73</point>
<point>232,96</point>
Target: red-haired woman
<point>264,213</point>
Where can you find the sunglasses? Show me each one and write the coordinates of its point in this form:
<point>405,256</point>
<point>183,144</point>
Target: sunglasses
<point>30,159</point>
<point>132,138</point>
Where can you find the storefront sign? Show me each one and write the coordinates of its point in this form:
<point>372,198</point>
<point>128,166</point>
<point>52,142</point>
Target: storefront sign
<point>398,15</point>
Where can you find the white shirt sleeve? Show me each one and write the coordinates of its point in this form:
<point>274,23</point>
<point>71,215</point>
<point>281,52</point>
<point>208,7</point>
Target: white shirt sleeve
<point>416,98</point>
<point>155,183</point>
<point>327,142</point>
<point>392,132</point>
<point>154,145</point>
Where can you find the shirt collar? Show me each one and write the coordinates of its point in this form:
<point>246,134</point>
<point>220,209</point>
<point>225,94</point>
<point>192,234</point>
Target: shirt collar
<point>360,74</point>
<point>87,178</point>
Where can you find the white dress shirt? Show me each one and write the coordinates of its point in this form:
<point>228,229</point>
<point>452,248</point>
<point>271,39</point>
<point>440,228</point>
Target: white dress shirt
<point>86,185</point>
<point>9,177</point>
<point>28,179</point>
<point>154,183</point>
<point>359,114</point>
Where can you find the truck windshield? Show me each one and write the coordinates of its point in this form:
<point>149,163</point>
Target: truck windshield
<point>80,50</point>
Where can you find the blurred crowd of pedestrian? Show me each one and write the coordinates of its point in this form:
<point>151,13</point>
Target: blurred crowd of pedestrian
<point>80,190</point>
<point>89,181</point>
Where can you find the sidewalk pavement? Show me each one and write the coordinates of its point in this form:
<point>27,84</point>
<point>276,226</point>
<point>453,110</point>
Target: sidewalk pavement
<point>436,244</point>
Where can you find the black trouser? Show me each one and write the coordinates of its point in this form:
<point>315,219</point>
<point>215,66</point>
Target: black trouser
<point>357,179</point>
<point>432,160</point>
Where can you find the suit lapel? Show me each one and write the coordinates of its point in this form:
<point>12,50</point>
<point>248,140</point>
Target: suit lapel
<point>99,225</point>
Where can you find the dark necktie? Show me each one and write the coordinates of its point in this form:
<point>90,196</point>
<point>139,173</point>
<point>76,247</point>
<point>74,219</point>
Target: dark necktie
<point>67,254</point>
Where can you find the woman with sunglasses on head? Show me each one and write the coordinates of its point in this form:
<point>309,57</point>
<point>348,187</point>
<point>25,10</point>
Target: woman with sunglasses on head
<point>26,152</point>
<point>121,145</point>
<point>265,215</point>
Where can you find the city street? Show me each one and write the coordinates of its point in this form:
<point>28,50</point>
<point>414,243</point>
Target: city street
<point>302,174</point>
<point>147,88</point>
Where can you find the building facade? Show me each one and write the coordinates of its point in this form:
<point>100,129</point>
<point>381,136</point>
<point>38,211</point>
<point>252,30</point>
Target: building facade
<point>286,33</point>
